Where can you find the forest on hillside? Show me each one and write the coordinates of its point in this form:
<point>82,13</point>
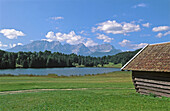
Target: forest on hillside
<point>47,59</point>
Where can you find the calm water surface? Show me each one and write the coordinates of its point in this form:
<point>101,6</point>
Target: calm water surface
<point>58,71</point>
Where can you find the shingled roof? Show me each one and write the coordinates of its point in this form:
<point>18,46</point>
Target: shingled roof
<point>155,57</point>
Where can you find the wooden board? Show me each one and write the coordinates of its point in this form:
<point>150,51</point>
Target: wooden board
<point>152,82</point>
<point>154,89</point>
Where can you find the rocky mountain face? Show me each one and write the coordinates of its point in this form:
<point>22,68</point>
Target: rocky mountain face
<point>101,48</point>
<point>38,46</point>
<point>55,46</point>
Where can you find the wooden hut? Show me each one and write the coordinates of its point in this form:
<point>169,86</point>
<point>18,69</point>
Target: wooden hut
<point>151,69</point>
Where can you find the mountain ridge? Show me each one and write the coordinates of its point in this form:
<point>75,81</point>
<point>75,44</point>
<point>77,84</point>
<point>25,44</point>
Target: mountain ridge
<point>56,46</point>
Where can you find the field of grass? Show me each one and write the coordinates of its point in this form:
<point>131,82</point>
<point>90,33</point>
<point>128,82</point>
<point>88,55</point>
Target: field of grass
<point>105,92</point>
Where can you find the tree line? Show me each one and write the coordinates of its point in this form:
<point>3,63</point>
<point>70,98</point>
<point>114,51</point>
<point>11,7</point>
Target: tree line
<point>47,59</point>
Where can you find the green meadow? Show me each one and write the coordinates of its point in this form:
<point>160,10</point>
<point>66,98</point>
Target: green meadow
<point>105,92</point>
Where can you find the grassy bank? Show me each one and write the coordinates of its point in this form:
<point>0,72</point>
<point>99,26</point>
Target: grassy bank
<point>116,93</point>
<point>110,65</point>
<point>113,65</point>
<point>115,79</point>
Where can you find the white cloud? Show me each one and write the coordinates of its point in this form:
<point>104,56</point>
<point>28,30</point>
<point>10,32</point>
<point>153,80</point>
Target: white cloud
<point>117,28</point>
<point>146,24</point>
<point>127,43</point>
<point>90,42</point>
<point>2,45</point>
<point>13,45</point>
<point>83,32</point>
<point>49,40</point>
<point>139,5</point>
<point>57,18</point>
<point>167,33</point>
<point>50,35</point>
<point>94,29</point>
<point>140,20</point>
<point>70,38</point>
<point>11,33</point>
<point>19,44</point>
<point>104,37</point>
<point>159,35</point>
<point>161,28</point>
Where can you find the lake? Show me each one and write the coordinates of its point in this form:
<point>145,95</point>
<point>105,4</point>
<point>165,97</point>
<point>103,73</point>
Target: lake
<point>58,71</point>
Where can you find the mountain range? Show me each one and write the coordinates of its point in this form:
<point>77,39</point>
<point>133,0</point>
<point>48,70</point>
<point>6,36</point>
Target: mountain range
<point>55,46</point>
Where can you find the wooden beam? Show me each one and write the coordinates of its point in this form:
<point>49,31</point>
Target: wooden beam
<point>154,89</point>
<point>153,92</point>
<point>153,85</point>
<point>152,81</point>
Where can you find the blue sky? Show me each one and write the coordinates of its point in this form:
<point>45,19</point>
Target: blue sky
<point>125,24</point>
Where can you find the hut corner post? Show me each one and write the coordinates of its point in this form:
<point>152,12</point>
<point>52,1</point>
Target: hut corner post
<point>134,82</point>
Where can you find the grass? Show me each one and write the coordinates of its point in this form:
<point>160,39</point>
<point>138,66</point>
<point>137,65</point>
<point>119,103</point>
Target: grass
<point>110,65</point>
<point>116,79</point>
<point>113,65</point>
<point>19,66</point>
<point>120,97</point>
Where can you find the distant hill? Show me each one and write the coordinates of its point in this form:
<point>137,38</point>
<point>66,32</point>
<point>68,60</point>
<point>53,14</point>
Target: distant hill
<point>55,46</point>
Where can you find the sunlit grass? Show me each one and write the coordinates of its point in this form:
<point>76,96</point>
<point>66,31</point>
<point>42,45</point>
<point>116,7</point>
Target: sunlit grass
<point>120,97</point>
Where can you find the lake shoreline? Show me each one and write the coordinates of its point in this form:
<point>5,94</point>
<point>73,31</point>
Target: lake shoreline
<point>52,75</point>
<point>66,71</point>
<point>57,67</point>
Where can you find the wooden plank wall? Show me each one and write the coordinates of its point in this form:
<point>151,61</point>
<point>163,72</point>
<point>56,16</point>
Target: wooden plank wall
<point>157,83</point>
